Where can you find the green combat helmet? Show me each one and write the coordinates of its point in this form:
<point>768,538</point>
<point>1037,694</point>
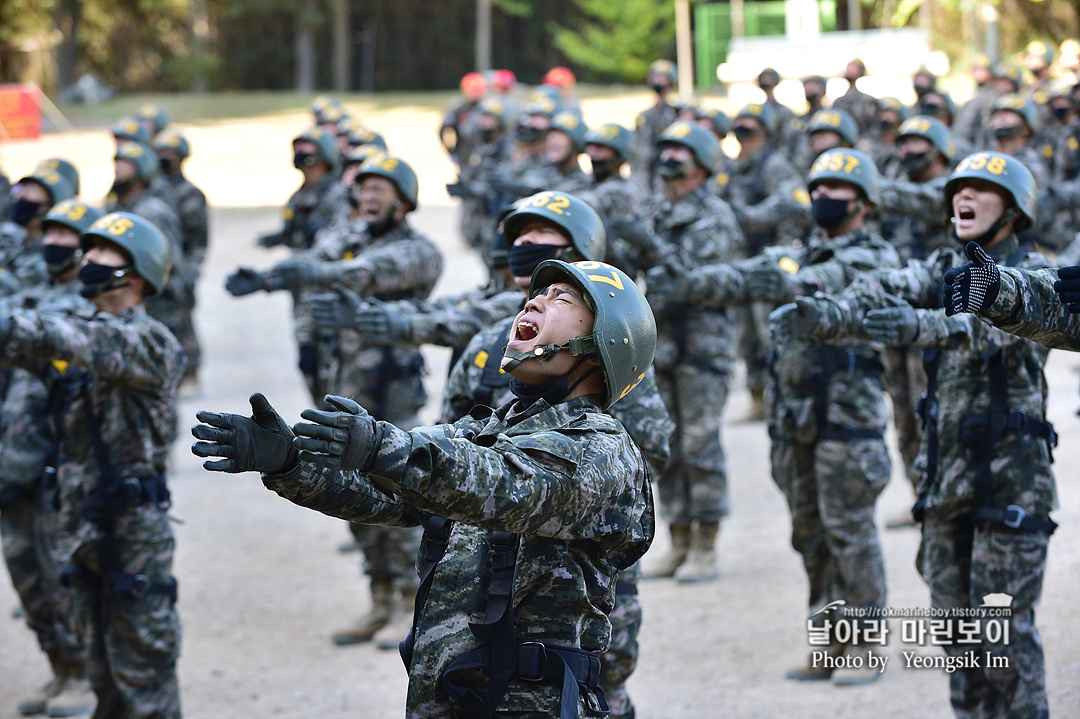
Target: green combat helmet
<point>572,126</point>
<point>175,142</point>
<point>893,105</point>
<point>130,129</point>
<point>718,120</point>
<point>75,215</point>
<point>761,112</point>
<point>839,121</point>
<point>623,333</point>
<point>397,171</point>
<point>1007,173</point>
<point>665,69</point>
<point>932,130</point>
<point>156,115</point>
<point>55,184</point>
<point>702,143</point>
<point>150,252</point>
<point>142,157</point>
<point>841,163</point>
<point>588,240</point>
<point>65,168</point>
<point>1012,102</point>
<point>617,137</point>
<point>325,144</point>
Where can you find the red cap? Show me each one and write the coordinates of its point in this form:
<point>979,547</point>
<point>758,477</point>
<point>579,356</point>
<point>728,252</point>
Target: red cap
<point>473,83</point>
<point>560,76</point>
<point>504,80</point>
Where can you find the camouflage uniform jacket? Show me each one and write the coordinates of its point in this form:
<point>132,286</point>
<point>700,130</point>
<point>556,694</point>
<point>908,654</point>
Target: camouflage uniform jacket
<point>191,208</point>
<point>699,229</point>
<point>1027,306</point>
<point>461,117</point>
<point>915,218</point>
<point>567,478</point>
<point>620,203</point>
<point>26,438</point>
<point>161,188</point>
<point>312,208</point>
<point>537,177</point>
<point>860,106</point>
<point>452,321</point>
<point>22,266</point>
<point>125,367</point>
<point>650,125</point>
<point>1035,162</point>
<point>477,172</point>
<point>761,191</point>
<point>970,120</point>
<point>967,347</point>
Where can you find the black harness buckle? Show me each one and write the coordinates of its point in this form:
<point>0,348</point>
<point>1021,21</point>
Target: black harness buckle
<point>1014,516</point>
<point>534,670</point>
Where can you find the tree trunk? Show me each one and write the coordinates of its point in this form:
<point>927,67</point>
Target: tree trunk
<point>342,48</point>
<point>68,15</point>
<point>305,47</point>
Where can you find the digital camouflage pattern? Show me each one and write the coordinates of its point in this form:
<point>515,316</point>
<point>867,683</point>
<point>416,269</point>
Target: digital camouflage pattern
<point>646,420</point>
<point>620,203</point>
<point>914,217</point>
<point>647,130</point>
<point>1027,306</point>
<point>695,357</point>
<point>481,203</point>
<point>452,321</point>
<point>310,209</point>
<point>491,471</point>
<point>22,265</point>
<point>194,234</point>
<point>959,559</point>
<point>28,517</point>
<point>127,368</point>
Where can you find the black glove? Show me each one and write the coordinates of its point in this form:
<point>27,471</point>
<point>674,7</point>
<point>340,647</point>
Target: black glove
<point>345,440</point>
<point>1068,287</point>
<point>293,275</point>
<point>769,283</point>
<point>383,324</point>
<point>272,240</point>
<point>262,442</point>
<point>972,287</point>
<point>795,321</point>
<point>892,326</point>
<point>667,284</point>
<point>245,281</point>
<point>337,310</point>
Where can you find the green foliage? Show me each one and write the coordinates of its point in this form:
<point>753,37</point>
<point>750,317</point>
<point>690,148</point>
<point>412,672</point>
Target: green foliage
<point>619,38</point>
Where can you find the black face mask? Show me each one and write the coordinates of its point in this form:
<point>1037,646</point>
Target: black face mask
<point>932,109</point>
<point>22,211</point>
<point>529,134</point>
<point>812,97</point>
<point>59,260</point>
<point>300,160</point>
<point>1004,133</point>
<point>489,135</point>
<point>525,257</point>
<point>603,169</point>
<point>851,79</point>
<point>122,187</point>
<point>921,90</point>
<point>766,87</point>
<point>658,88</point>
<point>672,169</point>
<point>915,164</point>
<point>1060,113</point>
<point>97,278</point>
<point>167,165</point>
<point>886,126</point>
<point>743,133</point>
<point>552,392</point>
<point>829,213</point>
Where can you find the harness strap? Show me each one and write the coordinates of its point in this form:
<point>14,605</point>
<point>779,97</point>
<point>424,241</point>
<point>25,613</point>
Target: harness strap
<point>491,378</point>
<point>432,548</point>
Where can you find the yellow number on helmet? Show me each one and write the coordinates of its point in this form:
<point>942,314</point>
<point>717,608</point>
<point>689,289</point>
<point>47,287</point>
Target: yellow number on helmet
<point>119,226</point>
<point>996,165</point>
<point>680,129</point>
<point>74,212</point>
<point>615,281</point>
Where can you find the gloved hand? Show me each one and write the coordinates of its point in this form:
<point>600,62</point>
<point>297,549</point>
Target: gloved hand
<point>892,326</point>
<point>1068,287</point>
<point>262,442</point>
<point>272,240</point>
<point>794,321</point>
<point>244,281</point>
<point>769,283</point>
<point>346,439</point>
<point>972,287</point>
<point>667,284</point>
<point>336,310</point>
<point>382,324</point>
<point>293,275</point>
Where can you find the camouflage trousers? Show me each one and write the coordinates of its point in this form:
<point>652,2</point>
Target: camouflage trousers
<point>389,552</point>
<point>694,484</point>
<point>752,326</point>
<point>961,562</point>
<point>173,308</point>
<point>28,535</point>
<point>132,641</point>
<point>831,488</point>
<point>620,659</point>
<point>905,381</point>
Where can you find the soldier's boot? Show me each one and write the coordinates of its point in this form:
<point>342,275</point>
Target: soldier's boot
<point>76,699</point>
<point>680,547</point>
<point>819,665</point>
<point>382,611</point>
<point>62,671</point>
<point>391,635</point>
<point>756,411</point>
<point>856,669</point>
<point>700,565</point>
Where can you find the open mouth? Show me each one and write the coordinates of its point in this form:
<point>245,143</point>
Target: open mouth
<point>965,215</point>
<point>526,330</point>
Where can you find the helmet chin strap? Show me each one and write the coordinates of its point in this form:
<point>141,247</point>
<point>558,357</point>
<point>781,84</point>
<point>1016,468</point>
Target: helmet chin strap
<point>1007,216</point>
<point>577,346</point>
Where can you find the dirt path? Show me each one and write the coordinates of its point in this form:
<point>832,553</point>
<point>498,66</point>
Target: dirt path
<point>262,585</point>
